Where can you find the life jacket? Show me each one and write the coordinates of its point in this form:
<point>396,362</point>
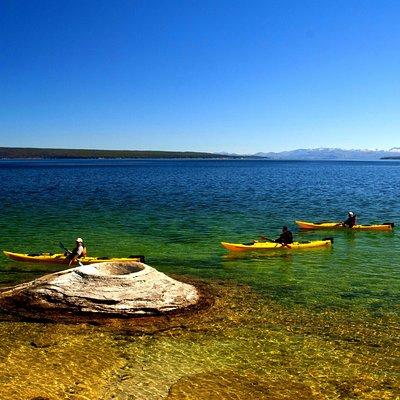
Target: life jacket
<point>84,251</point>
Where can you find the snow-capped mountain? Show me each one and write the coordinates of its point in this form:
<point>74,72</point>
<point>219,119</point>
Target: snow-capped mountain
<point>331,154</point>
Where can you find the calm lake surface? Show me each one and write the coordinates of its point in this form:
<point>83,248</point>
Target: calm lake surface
<point>317,324</point>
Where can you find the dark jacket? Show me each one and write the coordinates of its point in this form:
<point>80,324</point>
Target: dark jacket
<point>286,237</point>
<point>350,221</point>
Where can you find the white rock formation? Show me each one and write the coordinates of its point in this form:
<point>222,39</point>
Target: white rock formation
<point>106,288</point>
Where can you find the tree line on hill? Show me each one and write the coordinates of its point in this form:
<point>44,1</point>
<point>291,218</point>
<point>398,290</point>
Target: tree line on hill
<point>32,153</point>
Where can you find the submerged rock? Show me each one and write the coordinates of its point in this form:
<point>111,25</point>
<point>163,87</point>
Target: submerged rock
<point>114,289</point>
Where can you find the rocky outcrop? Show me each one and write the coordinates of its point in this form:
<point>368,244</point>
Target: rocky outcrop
<point>113,289</point>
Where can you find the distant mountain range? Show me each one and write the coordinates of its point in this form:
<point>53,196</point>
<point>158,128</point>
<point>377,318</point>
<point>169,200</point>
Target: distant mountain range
<point>299,154</point>
<point>332,154</point>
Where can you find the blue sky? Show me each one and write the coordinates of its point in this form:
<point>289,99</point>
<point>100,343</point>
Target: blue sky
<point>235,76</point>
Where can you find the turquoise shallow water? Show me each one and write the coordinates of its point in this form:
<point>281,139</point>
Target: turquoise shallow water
<point>177,212</point>
<point>319,322</point>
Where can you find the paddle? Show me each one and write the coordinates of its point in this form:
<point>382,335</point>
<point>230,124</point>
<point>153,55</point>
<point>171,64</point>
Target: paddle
<point>64,248</point>
<point>389,223</point>
<point>266,239</point>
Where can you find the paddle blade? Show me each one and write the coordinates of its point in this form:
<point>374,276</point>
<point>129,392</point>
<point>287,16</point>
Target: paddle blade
<point>64,248</point>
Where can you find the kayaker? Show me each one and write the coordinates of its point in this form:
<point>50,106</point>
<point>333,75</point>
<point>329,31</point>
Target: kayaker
<point>78,251</point>
<point>351,220</point>
<point>286,237</point>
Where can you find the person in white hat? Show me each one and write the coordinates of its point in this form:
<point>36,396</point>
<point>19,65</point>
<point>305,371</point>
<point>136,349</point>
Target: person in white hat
<point>78,251</point>
<point>351,220</point>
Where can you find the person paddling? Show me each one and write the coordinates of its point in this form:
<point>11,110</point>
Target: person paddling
<point>286,237</point>
<point>78,252</point>
<point>351,220</point>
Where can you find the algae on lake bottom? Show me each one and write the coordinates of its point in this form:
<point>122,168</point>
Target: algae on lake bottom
<point>244,346</point>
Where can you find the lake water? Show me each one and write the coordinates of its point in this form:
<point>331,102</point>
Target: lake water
<point>309,324</point>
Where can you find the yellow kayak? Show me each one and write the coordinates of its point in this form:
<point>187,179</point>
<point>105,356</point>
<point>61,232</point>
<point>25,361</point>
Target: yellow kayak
<point>50,258</point>
<point>277,246</point>
<point>337,225</point>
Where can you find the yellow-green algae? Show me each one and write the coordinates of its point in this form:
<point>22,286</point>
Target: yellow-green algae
<point>243,347</point>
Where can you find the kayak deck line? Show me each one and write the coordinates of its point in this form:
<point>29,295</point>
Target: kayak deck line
<point>387,226</point>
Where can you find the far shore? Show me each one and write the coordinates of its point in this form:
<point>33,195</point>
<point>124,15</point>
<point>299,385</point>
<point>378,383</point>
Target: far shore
<point>21,153</point>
